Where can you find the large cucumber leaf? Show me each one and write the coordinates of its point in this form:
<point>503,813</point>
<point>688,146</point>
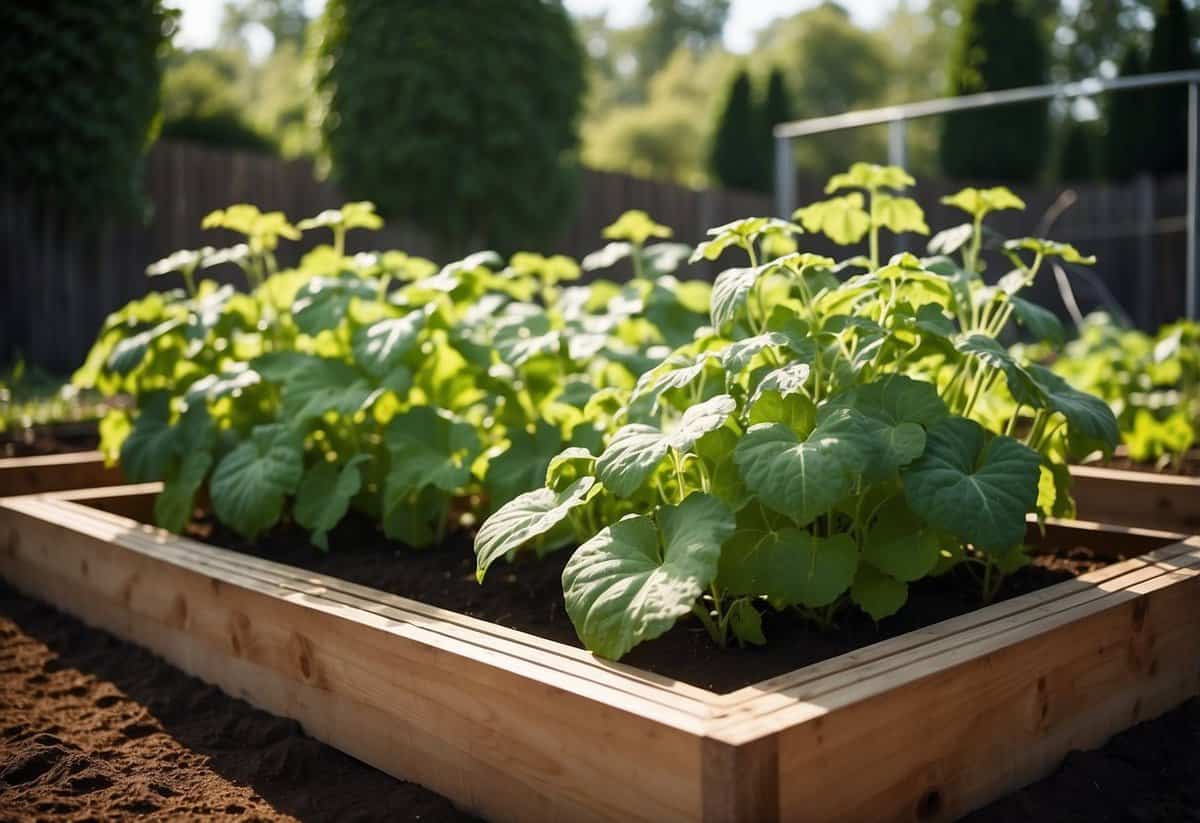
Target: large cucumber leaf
<point>974,487</point>
<point>250,484</point>
<point>634,579</point>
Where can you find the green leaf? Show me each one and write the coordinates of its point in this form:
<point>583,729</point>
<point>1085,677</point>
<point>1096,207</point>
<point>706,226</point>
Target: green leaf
<point>896,408</point>
<point>870,176</point>
<point>900,544</point>
<point>795,411</point>
<point>790,566</point>
<point>636,450</point>
<point>979,202</point>
<point>635,226</point>
<point>568,466</point>
<point>313,385</point>
<point>1049,248</point>
<point>746,622</point>
<point>976,488</point>
<point>899,214</point>
<point>609,256</point>
<point>948,241</point>
<point>989,352</point>
<point>1042,323</point>
<point>322,302</point>
<point>725,482</point>
<point>877,594</point>
<point>786,380</point>
<point>130,352</point>
<point>148,451</point>
<point>522,466</point>
<point>324,497</point>
<point>737,356</point>
<point>174,504</point>
<point>634,579</point>
<point>382,346</point>
<point>804,479</point>
<point>428,449</point>
<point>1088,417</point>
<point>843,220</point>
<point>523,518</point>
<point>730,292</point>
<point>250,484</point>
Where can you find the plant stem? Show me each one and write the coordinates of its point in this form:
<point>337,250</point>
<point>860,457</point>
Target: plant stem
<point>714,632</point>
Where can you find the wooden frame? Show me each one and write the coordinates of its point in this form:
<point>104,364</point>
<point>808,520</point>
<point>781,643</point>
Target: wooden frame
<point>924,726</point>
<point>1146,499</point>
<point>56,472</point>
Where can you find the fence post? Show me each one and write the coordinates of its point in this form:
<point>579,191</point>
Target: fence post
<point>785,178</point>
<point>898,156</point>
<point>1193,204</point>
<point>1143,191</point>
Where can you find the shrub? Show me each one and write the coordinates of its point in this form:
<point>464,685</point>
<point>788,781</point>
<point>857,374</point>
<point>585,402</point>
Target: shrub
<point>999,47</point>
<point>460,117</point>
<point>79,91</point>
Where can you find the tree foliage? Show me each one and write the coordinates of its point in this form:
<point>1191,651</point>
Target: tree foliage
<point>1000,46</point>
<point>1166,107</point>
<point>776,108</point>
<point>79,92</point>
<point>456,117</point>
<point>735,143</point>
<point>696,24</point>
<point>1125,114</point>
<point>204,101</point>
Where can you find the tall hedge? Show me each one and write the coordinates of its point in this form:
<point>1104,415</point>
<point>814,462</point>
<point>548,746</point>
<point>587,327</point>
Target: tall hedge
<point>776,108</point>
<point>999,45</point>
<point>1125,128</point>
<point>1167,107</point>
<point>79,95</point>
<point>733,158</point>
<point>460,117</point>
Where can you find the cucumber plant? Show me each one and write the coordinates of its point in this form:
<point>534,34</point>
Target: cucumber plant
<point>374,381</point>
<point>1151,382</point>
<point>821,446</point>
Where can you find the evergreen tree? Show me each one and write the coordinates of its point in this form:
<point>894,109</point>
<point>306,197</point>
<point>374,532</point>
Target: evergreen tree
<point>457,118</point>
<point>1167,107</point>
<point>776,108</point>
<point>999,46</point>
<point>1125,132</point>
<point>1077,152</point>
<point>732,160</point>
<point>79,92</point>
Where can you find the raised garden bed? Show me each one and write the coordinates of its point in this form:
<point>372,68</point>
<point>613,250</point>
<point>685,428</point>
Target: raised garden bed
<point>927,725</point>
<point>1138,497</point>
<point>56,472</point>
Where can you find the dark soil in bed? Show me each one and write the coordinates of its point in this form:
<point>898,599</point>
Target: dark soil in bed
<point>527,595</point>
<point>1147,774</point>
<point>92,728</point>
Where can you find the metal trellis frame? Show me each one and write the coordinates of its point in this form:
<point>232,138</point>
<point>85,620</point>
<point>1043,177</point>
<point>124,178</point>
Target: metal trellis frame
<point>896,118</point>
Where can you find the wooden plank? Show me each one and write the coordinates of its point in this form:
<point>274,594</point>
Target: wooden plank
<point>56,472</point>
<point>923,726</point>
<point>935,747</point>
<point>493,736</point>
<point>1159,501</point>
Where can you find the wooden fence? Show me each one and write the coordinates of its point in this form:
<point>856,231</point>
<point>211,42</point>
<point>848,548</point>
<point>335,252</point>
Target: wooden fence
<point>59,279</point>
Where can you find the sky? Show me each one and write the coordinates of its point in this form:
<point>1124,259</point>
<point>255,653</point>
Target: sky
<point>201,18</point>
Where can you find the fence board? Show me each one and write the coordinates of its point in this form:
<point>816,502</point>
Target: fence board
<point>59,280</point>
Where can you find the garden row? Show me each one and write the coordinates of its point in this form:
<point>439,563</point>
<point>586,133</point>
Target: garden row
<point>818,507</point>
